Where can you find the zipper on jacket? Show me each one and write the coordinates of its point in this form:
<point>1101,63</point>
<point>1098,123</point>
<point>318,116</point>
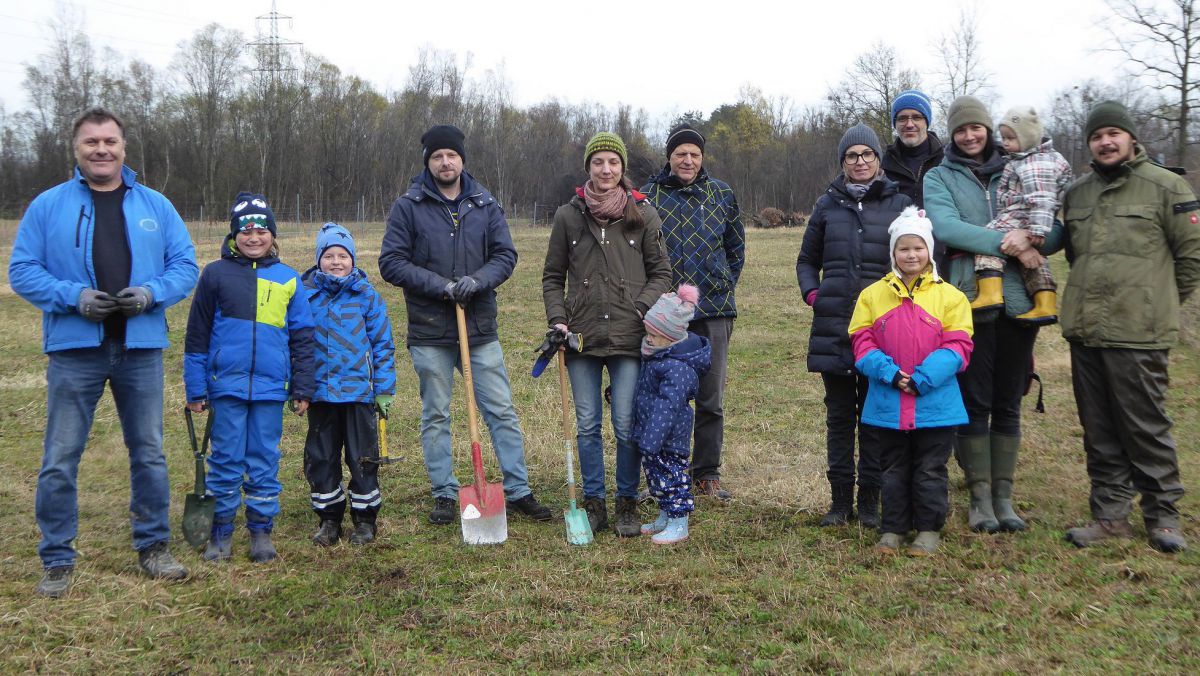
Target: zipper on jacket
<point>79,223</point>
<point>253,335</point>
<point>860,207</point>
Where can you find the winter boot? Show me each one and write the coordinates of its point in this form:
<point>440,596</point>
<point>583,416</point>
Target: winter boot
<point>1167,540</point>
<point>261,547</point>
<point>925,544</point>
<point>976,455</point>
<point>840,510</point>
<point>889,544</point>
<point>1099,531</point>
<point>657,525</point>
<point>597,513</point>
<point>676,531</point>
<point>989,292</point>
<point>628,524</point>
<point>1004,465</point>
<point>328,533</point>
<point>220,542</point>
<point>1045,310</point>
<point>868,506</point>
<point>157,562</point>
<point>364,533</point>
<point>55,582</point>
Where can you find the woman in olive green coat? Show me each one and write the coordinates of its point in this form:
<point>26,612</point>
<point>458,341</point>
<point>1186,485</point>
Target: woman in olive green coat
<point>605,266</point>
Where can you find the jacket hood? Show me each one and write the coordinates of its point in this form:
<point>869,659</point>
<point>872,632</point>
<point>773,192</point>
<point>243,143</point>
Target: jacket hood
<point>1046,146</point>
<point>423,186</point>
<point>695,351</point>
<point>354,282</point>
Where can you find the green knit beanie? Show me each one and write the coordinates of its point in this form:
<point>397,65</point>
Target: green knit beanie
<point>606,140</point>
<point>968,110</point>
<point>1109,114</point>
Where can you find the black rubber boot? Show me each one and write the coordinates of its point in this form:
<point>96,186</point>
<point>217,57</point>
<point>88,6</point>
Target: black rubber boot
<point>868,506</point>
<point>841,510</point>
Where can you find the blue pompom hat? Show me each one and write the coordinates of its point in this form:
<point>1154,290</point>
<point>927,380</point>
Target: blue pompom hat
<point>332,234</point>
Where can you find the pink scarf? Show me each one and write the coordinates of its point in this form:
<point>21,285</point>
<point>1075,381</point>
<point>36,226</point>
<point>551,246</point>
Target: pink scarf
<point>609,204</point>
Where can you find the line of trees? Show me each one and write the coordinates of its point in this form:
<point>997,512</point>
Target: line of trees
<point>324,144</point>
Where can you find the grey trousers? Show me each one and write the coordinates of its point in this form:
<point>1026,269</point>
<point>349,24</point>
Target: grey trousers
<point>709,433</point>
<point>1120,395</point>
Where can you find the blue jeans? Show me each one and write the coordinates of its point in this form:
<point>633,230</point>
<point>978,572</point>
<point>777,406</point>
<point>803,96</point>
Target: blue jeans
<point>74,382</point>
<point>245,459</point>
<point>435,366</point>
<point>586,389</point>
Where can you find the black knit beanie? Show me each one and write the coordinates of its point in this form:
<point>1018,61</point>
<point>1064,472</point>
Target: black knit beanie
<point>684,133</point>
<point>442,136</point>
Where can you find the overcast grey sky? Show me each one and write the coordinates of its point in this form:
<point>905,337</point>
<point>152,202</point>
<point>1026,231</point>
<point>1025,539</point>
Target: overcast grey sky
<point>664,57</point>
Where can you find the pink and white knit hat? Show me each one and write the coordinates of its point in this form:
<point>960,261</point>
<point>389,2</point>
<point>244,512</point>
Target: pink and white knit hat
<point>672,313</point>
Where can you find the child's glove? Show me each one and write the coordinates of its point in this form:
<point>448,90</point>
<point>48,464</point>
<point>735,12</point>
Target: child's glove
<point>383,402</point>
<point>134,300</point>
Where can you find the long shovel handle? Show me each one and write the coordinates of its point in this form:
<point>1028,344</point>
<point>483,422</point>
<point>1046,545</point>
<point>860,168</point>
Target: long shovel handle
<point>566,425</point>
<point>464,354</point>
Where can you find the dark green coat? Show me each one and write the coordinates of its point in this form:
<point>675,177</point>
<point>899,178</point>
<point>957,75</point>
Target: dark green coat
<point>1134,248</point>
<point>596,277</point>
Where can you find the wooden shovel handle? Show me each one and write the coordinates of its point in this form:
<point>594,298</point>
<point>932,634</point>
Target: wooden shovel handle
<point>464,353</point>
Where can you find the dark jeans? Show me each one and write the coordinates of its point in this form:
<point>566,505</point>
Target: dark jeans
<point>995,379</point>
<point>1120,395</point>
<point>332,427</point>
<point>709,433</point>
<point>915,482</point>
<point>844,396</point>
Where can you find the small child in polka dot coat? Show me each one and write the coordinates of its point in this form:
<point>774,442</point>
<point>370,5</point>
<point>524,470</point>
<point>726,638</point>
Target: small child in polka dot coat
<point>673,360</point>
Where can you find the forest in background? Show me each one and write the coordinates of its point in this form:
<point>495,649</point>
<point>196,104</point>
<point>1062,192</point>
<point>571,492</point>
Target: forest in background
<point>230,115</point>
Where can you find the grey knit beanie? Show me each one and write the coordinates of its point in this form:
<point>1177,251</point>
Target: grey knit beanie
<point>859,134</point>
<point>968,110</point>
<point>1109,114</point>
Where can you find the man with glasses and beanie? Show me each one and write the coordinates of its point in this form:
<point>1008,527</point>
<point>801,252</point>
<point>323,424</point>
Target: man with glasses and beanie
<point>447,243</point>
<point>103,257</point>
<point>1133,244</point>
<point>916,150</point>
<point>702,227</point>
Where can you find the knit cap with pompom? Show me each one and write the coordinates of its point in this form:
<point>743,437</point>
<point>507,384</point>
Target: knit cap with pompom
<point>672,313</point>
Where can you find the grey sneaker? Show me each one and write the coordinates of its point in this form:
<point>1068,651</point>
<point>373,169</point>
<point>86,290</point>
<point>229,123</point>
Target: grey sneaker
<point>55,582</point>
<point>925,544</point>
<point>889,544</point>
<point>156,562</point>
<point>1167,540</point>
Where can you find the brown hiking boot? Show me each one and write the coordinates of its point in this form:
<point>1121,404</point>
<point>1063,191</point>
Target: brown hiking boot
<point>628,523</point>
<point>1099,531</point>
<point>1167,540</point>
<point>712,488</point>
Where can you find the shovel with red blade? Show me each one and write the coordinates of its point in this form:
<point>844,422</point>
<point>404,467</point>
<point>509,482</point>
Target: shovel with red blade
<point>482,508</point>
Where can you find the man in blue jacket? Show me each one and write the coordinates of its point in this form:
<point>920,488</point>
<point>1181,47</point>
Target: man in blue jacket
<point>702,226</point>
<point>102,257</point>
<point>447,242</point>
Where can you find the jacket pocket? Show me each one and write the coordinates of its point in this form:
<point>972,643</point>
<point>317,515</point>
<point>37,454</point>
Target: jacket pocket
<point>426,321</point>
<point>1139,226</point>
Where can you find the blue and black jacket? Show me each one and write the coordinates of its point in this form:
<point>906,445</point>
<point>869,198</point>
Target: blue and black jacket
<point>250,332</point>
<point>354,353</point>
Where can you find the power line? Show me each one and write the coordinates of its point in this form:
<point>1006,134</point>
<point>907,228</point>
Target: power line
<point>271,48</point>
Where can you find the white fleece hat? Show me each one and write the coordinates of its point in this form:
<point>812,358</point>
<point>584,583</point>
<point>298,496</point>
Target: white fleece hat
<point>911,221</point>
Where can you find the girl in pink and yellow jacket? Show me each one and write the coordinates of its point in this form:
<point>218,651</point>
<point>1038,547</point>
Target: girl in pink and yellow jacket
<point>911,334</point>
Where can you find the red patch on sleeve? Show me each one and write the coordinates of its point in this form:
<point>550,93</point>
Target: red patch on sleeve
<point>1194,219</point>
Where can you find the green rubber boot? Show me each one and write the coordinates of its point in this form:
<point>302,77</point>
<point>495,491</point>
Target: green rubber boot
<point>1004,466</point>
<point>976,456</point>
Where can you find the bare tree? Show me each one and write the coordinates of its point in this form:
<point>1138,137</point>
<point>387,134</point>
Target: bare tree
<point>1162,43</point>
<point>961,71</point>
<point>866,91</point>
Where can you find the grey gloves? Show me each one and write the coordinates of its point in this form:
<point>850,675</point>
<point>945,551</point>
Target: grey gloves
<point>95,306</point>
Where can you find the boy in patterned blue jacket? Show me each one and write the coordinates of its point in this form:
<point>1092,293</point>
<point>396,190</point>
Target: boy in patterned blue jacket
<point>248,350</point>
<point>356,377</point>
<point>673,361</point>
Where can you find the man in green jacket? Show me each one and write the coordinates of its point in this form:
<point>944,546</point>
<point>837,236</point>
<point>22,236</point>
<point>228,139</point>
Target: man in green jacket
<point>1133,243</point>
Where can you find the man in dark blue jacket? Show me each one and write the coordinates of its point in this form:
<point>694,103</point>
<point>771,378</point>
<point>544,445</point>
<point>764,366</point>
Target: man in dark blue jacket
<point>447,242</point>
<point>103,257</point>
<point>702,226</point>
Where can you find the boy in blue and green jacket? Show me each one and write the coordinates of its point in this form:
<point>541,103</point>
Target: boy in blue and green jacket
<point>248,350</point>
<point>355,377</point>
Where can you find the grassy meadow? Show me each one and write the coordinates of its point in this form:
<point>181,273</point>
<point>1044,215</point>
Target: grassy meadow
<point>758,588</point>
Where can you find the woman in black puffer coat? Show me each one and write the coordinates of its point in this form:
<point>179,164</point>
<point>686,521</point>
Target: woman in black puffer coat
<point>845,250</point>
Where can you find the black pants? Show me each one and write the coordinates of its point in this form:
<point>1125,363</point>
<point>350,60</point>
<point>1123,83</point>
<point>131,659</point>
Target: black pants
<point>996,377</point>
<point>844,396</point>
<point>330,428</point>
<point>709,433</point>
<point>915,482</point>
<point>1121,396</point>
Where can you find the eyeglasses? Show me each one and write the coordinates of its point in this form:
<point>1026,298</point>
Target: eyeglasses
<point>903,120</point>
<point>867,156</point>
